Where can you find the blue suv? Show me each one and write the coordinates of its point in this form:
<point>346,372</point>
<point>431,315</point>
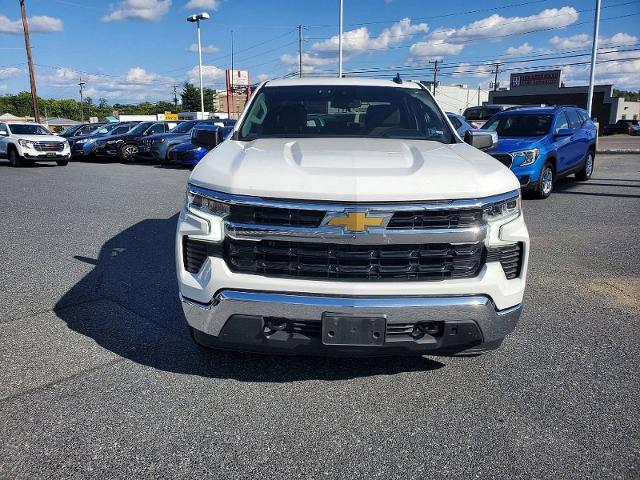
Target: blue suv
<point>543,144</point>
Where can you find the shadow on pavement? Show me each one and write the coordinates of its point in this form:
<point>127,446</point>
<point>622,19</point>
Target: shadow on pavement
<point>567,186</point>
<point>129,305</point>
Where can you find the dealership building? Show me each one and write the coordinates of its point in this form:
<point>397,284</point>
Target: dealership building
<point>546,88</point>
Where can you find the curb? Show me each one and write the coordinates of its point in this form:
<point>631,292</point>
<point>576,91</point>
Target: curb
<point>619,151</point>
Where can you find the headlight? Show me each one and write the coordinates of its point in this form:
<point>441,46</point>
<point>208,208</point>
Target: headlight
<point>214,207</point>
<point>507,209</point>
<point>26,143</point>
<point>527,156</point>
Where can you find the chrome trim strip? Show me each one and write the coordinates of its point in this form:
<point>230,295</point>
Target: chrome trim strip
<point>373,236</point>
<point>211,318</point>
<point>337,206</point>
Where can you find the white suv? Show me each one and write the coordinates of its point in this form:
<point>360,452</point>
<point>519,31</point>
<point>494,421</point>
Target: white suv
<point>29,142</point>
<point>347,217</point>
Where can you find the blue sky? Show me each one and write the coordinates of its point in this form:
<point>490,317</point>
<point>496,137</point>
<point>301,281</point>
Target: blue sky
<point>135,50</point>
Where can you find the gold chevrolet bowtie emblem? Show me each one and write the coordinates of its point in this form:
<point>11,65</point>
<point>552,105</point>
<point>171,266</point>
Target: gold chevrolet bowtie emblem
<point>355,221</point>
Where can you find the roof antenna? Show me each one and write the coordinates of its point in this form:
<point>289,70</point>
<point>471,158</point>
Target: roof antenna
<point>397,79</point>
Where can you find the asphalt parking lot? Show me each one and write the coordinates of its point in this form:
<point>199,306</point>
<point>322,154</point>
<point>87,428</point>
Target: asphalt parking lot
<point>100,378</point>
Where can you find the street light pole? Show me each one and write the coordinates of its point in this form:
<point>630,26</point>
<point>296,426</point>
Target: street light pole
<point>340,40</point>
<point>594,50</point>
<point>200,70</point>
<point>196,19</point>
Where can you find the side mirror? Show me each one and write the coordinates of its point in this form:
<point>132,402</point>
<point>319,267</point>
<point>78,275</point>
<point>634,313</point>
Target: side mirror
<point>564,132</point>
<point>481,139</point>
<point>206,138</point>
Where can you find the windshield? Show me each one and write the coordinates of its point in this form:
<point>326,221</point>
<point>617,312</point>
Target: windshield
<point>184,127</point>
<point>482,113</point>
<point>104,129</point>
<point>67,132</point>
<point>22,129</point>
<point>520,125</point>
<point>344,111</point>
<point>140,128</point>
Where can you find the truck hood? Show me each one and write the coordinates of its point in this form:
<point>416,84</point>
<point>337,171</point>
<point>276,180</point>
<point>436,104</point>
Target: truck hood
<point>352,170</point>
<point>42,138</point>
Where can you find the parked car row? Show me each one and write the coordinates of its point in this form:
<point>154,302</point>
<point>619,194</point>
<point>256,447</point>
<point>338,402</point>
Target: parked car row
<point>628,127</point>
<point>157,142</point>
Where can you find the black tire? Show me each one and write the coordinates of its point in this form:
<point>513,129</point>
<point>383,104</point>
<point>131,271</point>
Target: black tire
<point>62,163</point>
<point>15,160</point>
<point>586,172</point>
<point>128,152</point>
<point>546,182</point>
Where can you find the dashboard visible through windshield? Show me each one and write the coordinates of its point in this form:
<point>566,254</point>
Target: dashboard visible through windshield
<point>344,111</point>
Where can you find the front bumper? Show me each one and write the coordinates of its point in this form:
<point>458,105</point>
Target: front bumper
<point>47,156</point>
<point>240,320</point>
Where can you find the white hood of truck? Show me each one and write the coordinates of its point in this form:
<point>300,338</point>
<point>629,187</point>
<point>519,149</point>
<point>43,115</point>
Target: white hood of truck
<point>42,138</point>
<point>352,170</point>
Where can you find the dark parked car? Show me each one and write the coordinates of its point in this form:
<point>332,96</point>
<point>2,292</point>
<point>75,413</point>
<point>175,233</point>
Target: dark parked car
<point>158,147</point>
<point>621,126</point>
<point>79,143</point>
<point>477,116</point>
<point>126,146</point>
<point>188,155</point>
<point>80,130</point>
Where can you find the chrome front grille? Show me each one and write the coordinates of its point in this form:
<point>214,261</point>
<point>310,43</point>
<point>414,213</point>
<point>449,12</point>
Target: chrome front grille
<point>49,146</point>
<point>429,241</point>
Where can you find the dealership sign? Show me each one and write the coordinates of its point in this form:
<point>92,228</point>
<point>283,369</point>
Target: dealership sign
<point>542,78</point>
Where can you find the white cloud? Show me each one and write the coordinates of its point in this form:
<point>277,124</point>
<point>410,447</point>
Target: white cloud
<point>40,24</point>
<point>307,59</point>
<point>136,85</point>
<point>140,75</point>
<point>497,26</point>
<point>9,72</point>
<point>523,49</point>
<point>206,49</point>
<point>466,70</point>
<point>583,40</point>
<point>262,77</point>
<point>212,4</point>
<point>209,74</point>
<point>451,41</point>
<point>360,40</point>
<point>146,10</point>
<point>580,40</point>
<point>434,49</point>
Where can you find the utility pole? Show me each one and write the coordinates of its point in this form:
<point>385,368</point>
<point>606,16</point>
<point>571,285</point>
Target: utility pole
<point>496,71</point>
<point>594,49</point>
<point>32,73</point>
<point>233,106</point>
<point>435,74</point>
<point>300,48</point>
<point>478,94</point>
<point>340,40</point>
<point>81,85</point>
<point>175,97</point>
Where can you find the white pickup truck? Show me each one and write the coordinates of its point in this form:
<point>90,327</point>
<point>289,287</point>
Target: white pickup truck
<point>31,142</point>
<point>347,217</point>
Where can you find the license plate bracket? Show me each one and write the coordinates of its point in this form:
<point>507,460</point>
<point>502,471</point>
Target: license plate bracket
<point>353,330</point>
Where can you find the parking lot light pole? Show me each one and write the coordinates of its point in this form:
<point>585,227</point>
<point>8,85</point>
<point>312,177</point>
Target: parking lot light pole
<point>594,50</point>
<point>196,19</point>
